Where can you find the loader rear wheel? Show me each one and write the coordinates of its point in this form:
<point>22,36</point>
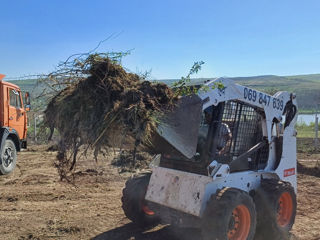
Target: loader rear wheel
<point>8,157</point>
<point>229,215</point>
<point>276,209</point>
<point>133,203</point>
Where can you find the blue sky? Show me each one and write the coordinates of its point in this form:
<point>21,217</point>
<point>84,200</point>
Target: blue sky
<point>232,37</point>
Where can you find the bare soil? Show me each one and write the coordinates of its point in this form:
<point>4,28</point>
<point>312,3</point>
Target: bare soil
<point>35,204</point>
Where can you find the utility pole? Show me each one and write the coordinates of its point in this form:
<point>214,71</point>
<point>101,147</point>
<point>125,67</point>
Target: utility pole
<point>316,128</point>
<point>35,127</point>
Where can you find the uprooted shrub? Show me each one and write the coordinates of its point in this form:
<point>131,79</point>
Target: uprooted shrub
<point>101,105</point>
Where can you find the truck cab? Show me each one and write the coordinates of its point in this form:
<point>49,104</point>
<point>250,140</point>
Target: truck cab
<point>13,120</point>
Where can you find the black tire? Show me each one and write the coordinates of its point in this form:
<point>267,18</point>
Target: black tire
<point>230,214</point>
<point>276,206</point>
<point>133,201</point>
<point>8,157</point>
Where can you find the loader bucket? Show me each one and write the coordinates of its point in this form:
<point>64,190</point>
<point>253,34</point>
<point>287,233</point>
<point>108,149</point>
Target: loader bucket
<point>179,128</point>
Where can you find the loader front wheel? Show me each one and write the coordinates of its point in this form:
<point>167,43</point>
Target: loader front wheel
<point>134,204</point>
<point>8,157</point>
<point>276,209</point>
<point>230,215</point>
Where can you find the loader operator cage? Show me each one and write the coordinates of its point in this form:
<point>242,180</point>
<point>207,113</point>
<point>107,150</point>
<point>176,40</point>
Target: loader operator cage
<point>240,129</point>
<point>229,134</point>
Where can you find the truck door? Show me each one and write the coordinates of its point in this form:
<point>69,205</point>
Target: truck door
<point>16,112</point>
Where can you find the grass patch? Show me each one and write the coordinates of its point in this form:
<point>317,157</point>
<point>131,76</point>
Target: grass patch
<point>306,131</point>
<point>306,145</point>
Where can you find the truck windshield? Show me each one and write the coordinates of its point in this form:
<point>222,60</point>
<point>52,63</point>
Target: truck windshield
<point>15,100</point>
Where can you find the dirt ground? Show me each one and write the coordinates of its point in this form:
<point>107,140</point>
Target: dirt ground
<point>35,204</point>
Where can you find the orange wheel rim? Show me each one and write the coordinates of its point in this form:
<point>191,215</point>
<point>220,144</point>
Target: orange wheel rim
<point>240,222</point>
<point>285,207</point>
<point>147,210</point>
<point>144,206</point>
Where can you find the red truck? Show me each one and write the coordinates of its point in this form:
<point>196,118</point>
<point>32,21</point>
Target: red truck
<point>13,120</point>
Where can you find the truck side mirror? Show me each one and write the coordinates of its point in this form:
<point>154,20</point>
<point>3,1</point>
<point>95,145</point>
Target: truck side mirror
<point>27,101</point>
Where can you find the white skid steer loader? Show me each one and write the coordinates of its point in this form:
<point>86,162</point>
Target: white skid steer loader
<point>227,166</point>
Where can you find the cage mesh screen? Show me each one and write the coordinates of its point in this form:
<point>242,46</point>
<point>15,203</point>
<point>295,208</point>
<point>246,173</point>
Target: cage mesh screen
<point>244,124</point>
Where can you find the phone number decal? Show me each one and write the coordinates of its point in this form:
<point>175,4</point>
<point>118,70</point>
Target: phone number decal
<point>253,96</point>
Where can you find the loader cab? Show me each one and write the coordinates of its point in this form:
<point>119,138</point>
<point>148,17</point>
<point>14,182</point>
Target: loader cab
<point>233,133</point>
<point>237,137</point>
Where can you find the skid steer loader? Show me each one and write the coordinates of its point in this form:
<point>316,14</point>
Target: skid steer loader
<point>227,166</point>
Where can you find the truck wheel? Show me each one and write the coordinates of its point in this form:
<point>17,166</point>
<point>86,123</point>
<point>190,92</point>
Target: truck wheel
<point>8,157</point>
<point>229,215</point>
<point>276,205</point>
<point>133,203</point>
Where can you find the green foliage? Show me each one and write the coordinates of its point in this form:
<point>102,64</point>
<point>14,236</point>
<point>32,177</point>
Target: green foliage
<point>184,87</point>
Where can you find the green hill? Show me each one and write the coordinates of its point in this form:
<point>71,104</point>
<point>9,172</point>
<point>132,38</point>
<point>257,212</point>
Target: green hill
<point>28,85</point>
<point>307,87</point>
